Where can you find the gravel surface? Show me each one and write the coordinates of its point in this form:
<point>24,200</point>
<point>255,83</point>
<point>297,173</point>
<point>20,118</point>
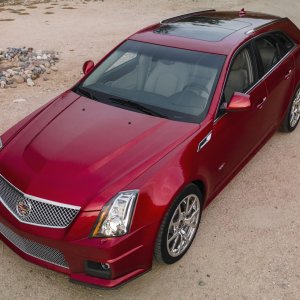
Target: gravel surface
<point>248,244</point>
<point>19,65</point>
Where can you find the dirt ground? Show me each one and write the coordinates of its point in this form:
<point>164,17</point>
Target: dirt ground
<point>248,245</point>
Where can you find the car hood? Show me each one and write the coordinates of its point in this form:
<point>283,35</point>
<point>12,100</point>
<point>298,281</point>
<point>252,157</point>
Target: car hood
<point>81,152</point>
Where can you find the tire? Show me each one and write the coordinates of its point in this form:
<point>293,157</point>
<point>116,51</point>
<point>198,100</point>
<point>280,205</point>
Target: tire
<point>291,119</point>
<point>179,226</point>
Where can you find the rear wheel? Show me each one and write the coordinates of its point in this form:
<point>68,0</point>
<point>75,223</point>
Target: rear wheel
<point>179,226</point>
<point>292,117</point>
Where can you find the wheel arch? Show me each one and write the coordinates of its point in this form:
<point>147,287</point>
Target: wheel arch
<point>202,187</point>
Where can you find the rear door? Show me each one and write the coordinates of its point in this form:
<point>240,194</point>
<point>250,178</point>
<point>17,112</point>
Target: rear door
<point>278,70</point>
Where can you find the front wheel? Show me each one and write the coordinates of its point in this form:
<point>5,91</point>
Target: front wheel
<point>179,226</point>
<point>292,117</point>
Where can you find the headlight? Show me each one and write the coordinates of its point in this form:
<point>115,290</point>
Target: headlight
<point>1,144</point>
<point>115,217</point>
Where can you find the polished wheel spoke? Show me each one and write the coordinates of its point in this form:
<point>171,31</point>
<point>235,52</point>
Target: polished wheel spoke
<point>183,225</point>
<point>192,220</point>
<point>180,246</point>
<point>174,236</point>
<point>295,110</point>
<point>173,248</point>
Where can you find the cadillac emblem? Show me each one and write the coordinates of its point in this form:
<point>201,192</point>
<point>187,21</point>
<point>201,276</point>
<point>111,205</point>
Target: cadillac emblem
<point>23,208</point>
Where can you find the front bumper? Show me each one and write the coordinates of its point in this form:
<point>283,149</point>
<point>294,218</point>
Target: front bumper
<point>59,249</point>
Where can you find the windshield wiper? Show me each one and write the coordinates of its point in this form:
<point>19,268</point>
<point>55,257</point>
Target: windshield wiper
<point>136,106</point>
<point>85,92</point>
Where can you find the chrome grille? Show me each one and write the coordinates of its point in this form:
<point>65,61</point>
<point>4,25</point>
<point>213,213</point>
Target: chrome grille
<point>34,249</point>
<point>40,212</point>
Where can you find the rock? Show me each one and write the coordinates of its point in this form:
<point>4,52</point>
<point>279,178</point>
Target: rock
<point>34,76</point>
<point>30,82</point>
<point>45,78</point>
<point>13,85</point>
<point>42,67</point>
<point>21,64</point>
<point>9,81</point>
<point>2,84</point>
<point>17,65</point>
<point>10,72</point>
<point>37,71</point>
<point>18,79</point>
<point>19,100</point>
<point>5,65</point>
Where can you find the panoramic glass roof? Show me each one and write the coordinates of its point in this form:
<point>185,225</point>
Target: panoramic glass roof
<point>202,28</point>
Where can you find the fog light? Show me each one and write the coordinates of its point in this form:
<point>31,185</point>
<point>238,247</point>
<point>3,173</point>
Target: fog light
<point>105,266</point>
<point>96,269</point>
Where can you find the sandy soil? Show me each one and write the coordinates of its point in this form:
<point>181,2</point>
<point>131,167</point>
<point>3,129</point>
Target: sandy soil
<point>249,241</point>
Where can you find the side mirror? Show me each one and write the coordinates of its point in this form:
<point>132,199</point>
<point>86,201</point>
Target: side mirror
<point>88,66</point>
<point>239,102</point>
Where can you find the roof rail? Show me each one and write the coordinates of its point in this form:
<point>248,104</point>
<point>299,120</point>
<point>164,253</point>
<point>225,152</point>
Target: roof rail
<point>180,17</point>
<point>265,25</point>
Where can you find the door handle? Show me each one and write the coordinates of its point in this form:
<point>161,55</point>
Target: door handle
<point>288,74</point>
<point>261,103</point>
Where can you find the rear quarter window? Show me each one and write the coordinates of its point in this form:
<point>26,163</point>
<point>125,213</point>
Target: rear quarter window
<point>285,42</point>
<point>269,51</point>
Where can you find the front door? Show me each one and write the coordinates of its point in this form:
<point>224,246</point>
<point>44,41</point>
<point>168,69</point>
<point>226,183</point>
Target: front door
<point>236,134</point>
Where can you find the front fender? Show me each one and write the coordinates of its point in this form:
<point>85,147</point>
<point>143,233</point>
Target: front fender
<point>161,184</point>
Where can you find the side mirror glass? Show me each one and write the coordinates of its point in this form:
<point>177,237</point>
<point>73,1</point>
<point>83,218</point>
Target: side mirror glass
<point>239,102</point>
<point>88,66</point>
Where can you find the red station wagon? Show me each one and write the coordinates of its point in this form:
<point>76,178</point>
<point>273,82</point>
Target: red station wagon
<point>119,168</point>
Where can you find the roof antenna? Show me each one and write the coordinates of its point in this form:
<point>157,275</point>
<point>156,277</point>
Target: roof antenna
<point>242,12</point>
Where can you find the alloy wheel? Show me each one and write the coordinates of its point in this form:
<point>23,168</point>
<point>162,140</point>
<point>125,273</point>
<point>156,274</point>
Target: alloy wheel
<point>183,225</point>
<point>295,110</point>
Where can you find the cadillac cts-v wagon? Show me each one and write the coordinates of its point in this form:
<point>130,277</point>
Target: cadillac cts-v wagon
<point>118,169</point>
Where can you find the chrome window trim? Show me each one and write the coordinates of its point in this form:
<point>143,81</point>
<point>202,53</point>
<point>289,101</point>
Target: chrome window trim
<point>262,78</point>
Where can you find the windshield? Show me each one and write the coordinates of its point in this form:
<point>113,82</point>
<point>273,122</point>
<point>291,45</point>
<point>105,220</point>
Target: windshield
<point>166,82</point>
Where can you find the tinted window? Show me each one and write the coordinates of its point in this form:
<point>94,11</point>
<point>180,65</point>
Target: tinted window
<point>285,43</point>
<point>241,74</point>
<point>202,28</point>
<point>269,51</point>
<point>175,83</point>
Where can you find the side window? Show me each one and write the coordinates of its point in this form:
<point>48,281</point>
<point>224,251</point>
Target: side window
<point>241,75</point>
<point>286,43</point>
<point>269,51</point>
